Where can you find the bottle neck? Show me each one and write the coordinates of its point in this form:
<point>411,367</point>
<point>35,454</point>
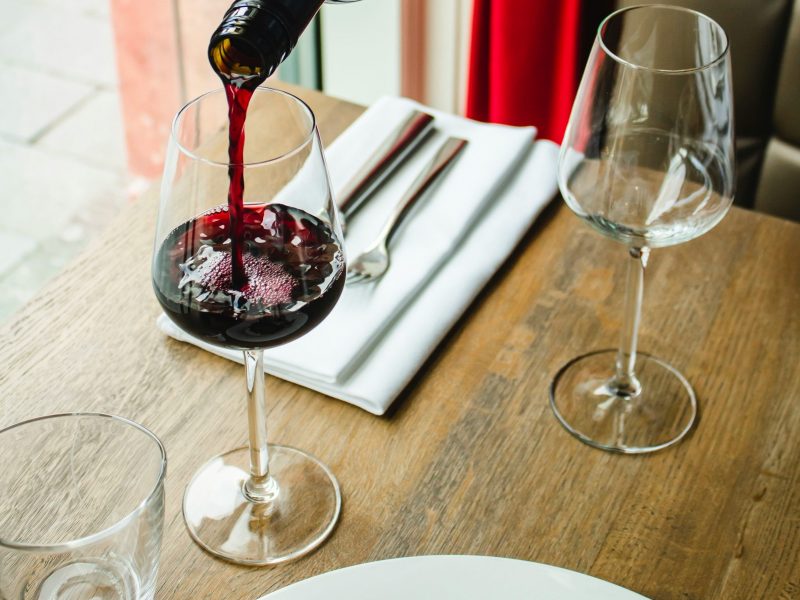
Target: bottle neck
<point>255,36</point>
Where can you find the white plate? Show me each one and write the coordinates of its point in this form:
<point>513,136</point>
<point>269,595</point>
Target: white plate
<point>451,578</point>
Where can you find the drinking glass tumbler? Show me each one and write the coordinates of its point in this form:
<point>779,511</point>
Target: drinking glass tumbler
<point>81,508</point>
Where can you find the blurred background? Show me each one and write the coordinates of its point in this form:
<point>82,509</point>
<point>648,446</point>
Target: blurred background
<point>88,89</point>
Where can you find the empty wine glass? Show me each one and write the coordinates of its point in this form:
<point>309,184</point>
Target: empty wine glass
<point>647,160</point>
<point>255,273</point>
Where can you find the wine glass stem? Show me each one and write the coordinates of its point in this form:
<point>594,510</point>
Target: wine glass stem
<point>259,487</point>
<point>625,382</point>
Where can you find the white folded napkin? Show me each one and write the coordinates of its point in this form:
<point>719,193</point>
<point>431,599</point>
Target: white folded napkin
<point>379,334</point>
<point>424,243</point>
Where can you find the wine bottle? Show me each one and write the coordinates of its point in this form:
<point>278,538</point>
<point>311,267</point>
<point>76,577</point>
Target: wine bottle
<point>255,36</point>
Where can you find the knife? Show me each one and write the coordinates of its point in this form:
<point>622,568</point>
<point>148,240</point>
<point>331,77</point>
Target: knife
<point>401,143</point>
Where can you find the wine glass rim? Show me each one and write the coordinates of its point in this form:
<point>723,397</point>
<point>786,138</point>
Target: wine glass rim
<point>273,159</point>
<point>716,60</point>
<point>119,524</point>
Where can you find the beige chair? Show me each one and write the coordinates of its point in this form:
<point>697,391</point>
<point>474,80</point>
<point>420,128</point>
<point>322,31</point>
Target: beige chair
<point>765,54</point>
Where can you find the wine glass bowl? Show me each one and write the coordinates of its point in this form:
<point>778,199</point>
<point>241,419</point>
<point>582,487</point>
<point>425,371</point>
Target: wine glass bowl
<point>648,206</point>
<point>648,161</point>
<point>248,256</point>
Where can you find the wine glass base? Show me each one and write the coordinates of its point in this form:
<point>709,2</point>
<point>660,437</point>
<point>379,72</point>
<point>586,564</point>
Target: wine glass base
<point>299,516</point>
<point>660,415</point>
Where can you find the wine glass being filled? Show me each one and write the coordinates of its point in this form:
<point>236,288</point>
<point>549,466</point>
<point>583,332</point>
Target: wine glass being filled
<point>248,256</point>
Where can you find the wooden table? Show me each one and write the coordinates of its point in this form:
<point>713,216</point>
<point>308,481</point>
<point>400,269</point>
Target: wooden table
<point>470,460</point>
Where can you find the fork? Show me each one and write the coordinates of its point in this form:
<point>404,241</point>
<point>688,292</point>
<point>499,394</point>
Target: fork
<point>373,262</point>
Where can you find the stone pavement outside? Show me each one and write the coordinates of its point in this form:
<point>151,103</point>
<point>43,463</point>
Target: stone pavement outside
<point>63,172</point>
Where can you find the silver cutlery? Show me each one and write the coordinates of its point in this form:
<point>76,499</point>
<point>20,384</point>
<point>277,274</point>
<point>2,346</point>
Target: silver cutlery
<point>401,143</point>
<point>371,264</point>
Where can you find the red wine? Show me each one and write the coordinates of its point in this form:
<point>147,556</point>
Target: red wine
<point>238,93</point>
<point>250,275</point>
<point>293,267</point>
<point>239,67</point>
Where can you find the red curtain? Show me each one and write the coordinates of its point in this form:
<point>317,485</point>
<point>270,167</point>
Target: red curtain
<point>524,63</point>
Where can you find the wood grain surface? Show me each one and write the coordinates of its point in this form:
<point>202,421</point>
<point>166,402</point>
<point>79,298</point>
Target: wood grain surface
<point>470,459</point>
